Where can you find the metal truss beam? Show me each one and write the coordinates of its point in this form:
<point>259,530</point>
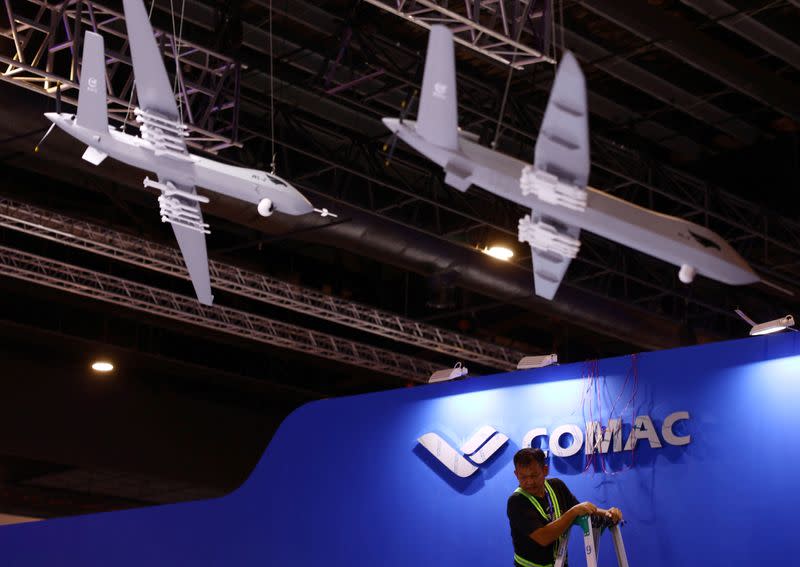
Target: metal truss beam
<point>47,40</point>
<point>682,40</point>
<point>659,88</point>
<point>224,277</point>
<point>131,295</point>
<point>314,18</point>
<point>749,28</point>
<point>489,27</point>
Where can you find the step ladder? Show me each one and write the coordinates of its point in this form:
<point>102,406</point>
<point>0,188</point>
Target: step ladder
<point>593,527</point>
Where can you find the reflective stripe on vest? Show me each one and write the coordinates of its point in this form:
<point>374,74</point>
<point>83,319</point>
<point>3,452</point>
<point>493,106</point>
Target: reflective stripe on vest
<point>525,563</point>
<point>556,515</point>
<point>553,500</point>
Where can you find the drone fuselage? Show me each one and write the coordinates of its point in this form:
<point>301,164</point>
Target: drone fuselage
<point>668,238</point>
<point>249,185</point>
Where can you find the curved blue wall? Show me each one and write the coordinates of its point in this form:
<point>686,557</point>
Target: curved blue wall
<point>345,483</point>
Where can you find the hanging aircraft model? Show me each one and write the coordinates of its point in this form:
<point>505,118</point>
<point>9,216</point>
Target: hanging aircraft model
<point>554,188</point>
<point>162,149</point>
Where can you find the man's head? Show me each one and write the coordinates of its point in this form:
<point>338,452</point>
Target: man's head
<point>530,470</point>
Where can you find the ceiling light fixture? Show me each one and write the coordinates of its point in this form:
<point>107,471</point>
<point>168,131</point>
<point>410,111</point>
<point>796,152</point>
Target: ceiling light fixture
<point>537,361</point>
<point>448,373</point>
<point>499,252</point>
<point>769,327</point>
<point>102,366</point>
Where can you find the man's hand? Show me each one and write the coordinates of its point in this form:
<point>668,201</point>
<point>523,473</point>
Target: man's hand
<point>612,514</point>
<point>584,509</point>
<point>615,514</point>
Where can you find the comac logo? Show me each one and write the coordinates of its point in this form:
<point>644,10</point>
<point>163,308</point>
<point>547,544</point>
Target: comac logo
<point>92,84</point>
<point>598,438</point>
<point>476,451</point>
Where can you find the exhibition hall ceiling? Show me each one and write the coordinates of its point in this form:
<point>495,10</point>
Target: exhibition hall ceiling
<point>695,112</point>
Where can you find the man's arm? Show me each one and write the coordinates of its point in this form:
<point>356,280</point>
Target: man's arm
<point>614,514</point>
<point>551,532</point>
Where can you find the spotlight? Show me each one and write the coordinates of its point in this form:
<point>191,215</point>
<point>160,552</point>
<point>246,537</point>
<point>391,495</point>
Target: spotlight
<point>769,327</point>
<point>448,373</point>
<point>537,361</point>
<point>773,326</point>
<point>499,252</point>
<point>102,366</point>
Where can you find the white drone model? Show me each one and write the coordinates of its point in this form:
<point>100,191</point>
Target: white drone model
<point>162,149</point>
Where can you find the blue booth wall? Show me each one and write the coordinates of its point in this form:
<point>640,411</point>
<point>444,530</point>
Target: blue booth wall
<point>344,482</point>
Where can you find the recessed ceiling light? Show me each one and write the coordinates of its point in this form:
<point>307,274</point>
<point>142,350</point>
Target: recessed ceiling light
<point>102,366</point>
<point>499,252</point>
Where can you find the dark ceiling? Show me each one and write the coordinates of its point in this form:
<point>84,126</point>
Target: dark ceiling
<point>695,112</point>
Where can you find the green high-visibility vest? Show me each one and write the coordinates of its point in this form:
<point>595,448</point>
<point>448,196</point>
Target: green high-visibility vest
<point>556,515</point>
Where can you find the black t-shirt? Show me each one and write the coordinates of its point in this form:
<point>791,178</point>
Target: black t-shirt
<point>525,519</point>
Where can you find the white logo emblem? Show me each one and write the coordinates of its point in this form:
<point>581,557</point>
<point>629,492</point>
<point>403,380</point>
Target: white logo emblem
<point>92,84</point>
<point>476,450</point>
<point>440,91</point>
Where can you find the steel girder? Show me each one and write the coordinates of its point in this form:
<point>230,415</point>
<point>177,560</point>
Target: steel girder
<point>682,40</point>
<point>224,277</point>
<point>749,28</point>
<point>147,299</point>
<point>47,39</point>
<point>493,28</point>
<point>659,88</point>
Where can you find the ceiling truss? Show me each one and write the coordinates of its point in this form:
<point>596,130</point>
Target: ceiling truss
<point>224,277</point>
<point>154,301</point>
<point>411,192</point>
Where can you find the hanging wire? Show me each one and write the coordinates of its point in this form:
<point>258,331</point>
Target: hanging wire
<point>133,84</point>
<point>553,40</point>
<point>271,95</point>
<point>561,23</point>
<point>176,40</point>
<point>177,56</point>
<point>508,79</point>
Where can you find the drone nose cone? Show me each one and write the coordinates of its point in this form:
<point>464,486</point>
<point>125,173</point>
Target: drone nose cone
<point>51,116</point>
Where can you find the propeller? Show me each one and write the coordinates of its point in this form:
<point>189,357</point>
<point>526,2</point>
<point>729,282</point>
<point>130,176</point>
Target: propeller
<point>58,111</point>
<point>392,142</point>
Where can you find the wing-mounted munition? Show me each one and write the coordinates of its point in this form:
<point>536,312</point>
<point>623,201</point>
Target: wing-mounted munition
<point>162,148</point>
<point>555,186</point>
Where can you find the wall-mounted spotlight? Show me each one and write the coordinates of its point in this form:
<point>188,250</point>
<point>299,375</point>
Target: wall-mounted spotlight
<point>537,361</point>
<point>769,327</point>
<point>448,373</point>
<point>773,326</point>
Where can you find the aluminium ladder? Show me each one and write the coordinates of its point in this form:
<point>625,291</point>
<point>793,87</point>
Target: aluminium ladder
<point>592,528</point>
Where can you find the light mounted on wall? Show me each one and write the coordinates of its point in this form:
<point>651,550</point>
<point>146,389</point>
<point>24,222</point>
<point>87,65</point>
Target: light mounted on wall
<point>448,373</point>
<point>499,252</point>
<point>537,361</point>
<point>774,326</point>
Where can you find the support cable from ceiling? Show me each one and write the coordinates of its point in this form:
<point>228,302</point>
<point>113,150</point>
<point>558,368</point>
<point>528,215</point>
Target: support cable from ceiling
<point>177,44</point>
<point>520,27</point>
<point>272,94</point>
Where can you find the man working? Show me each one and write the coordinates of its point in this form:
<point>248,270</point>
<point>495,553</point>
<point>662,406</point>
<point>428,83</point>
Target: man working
<point>541,510</point>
